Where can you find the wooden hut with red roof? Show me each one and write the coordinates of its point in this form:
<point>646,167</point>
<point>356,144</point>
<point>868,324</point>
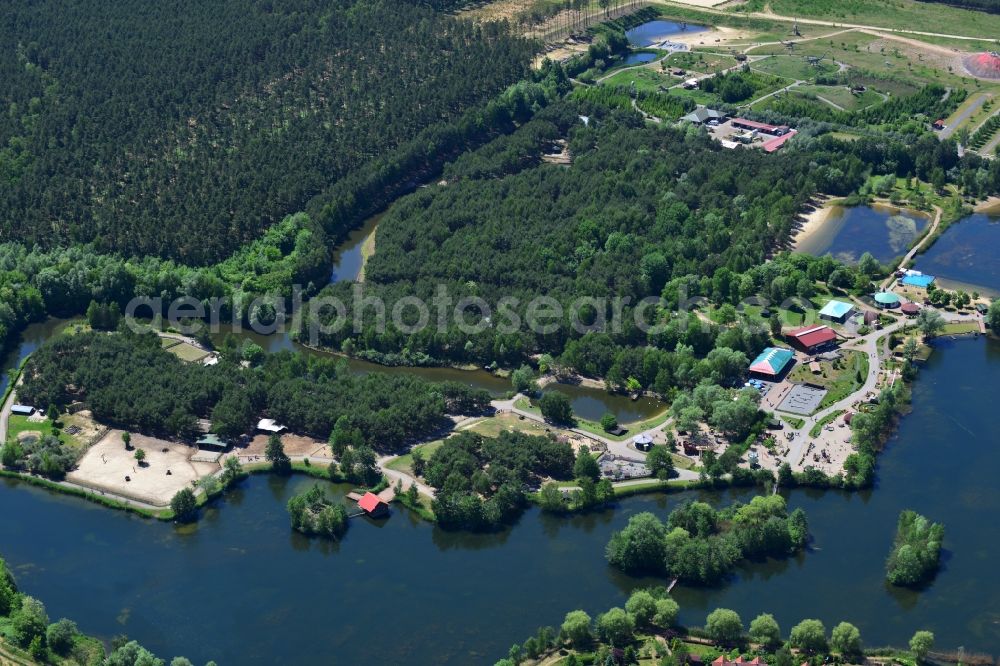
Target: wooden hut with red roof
<point>373,505</point>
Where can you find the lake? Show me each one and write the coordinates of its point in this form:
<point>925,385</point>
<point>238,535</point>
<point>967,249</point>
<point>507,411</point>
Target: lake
<point>654,33</point>
<point>849,232</point>
<point>242,588</point>
<point>592,404</point>
<point>965,256</point>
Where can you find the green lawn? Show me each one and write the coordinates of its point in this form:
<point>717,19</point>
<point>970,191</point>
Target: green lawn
<point>187,352</point>
<point>404,463</point>
<point>794,67</point>
<point>646,78</point>
<point>960,328</point>
<point>841,96</point>
<point>18,424</point>
<point>898,14</point>
<point>826,420</point>
<point>699,61</point>
<point>839,378</point>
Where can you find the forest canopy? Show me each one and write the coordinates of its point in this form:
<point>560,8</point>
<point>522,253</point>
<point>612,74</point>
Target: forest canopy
<point>128,380</point>
<point>206,123</point>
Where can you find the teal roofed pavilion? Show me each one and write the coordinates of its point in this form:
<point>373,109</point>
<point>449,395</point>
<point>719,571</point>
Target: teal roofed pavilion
<point>771,362</point>
<point>886,299</point>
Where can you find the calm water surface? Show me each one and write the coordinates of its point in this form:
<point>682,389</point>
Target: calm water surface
<point>849,232</point>
<point>637,58</point>
<point>655,32</point>
<point>348,259</point>
<point>966,255</point>
<point>241,588</point>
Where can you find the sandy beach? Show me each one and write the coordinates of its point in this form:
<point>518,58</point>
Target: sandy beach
<point>814,221</point>
<point>990,205</point>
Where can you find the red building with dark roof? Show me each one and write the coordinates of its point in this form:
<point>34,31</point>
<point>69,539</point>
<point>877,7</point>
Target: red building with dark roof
<point>373,505</point>
<point>812,339</point>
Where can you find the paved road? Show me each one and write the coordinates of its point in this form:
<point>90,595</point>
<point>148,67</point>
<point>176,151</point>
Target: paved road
<point>963,115</point>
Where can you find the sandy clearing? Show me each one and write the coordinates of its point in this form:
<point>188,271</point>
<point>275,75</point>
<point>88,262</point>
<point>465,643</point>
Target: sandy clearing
<point>107,463</point>
<point>295,445</point>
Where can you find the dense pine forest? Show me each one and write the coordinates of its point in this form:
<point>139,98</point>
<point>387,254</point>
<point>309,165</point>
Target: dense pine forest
<point>130,381</point>
<point>184,129</point>
<point>642,211</point>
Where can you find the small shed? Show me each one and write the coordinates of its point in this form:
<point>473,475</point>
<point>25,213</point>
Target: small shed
<point>373,505</point>
<point>22,410</point>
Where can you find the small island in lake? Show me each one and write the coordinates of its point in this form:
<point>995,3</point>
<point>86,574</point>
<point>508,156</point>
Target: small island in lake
<point>916,552</point>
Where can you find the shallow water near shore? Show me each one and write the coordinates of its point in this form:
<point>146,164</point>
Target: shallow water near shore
<point>849,232</point>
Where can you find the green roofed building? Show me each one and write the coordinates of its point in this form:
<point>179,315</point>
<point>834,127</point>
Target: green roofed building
<point>886,299</point>
<point>211,441</point>
<point>771,363</point>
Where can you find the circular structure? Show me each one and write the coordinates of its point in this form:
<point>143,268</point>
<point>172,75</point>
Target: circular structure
<point>983,65</point>
<point>909,308</point>
<point>887,299</point>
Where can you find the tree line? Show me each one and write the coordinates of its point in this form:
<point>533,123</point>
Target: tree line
<point>648,629</point>
<point>129,381</point>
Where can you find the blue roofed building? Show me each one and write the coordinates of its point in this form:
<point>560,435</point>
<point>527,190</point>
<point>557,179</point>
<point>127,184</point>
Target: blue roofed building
<point>837,311</point>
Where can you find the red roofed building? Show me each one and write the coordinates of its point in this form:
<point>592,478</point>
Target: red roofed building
<point>373,505</point>
<point>772,145</point>
<point>812,339</point>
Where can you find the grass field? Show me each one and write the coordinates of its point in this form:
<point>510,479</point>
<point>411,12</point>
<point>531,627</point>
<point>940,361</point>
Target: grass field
<point>839,378</point>
<point>698,61</point>
<point>794,67</point>
<point>896,63</point>
<point>841,96</point>
<point>187,352</point>
<point>18,424</point>
<point>897,14</point>
<point>646,78</point>
<point>404,463</point>
<point>167,343</point>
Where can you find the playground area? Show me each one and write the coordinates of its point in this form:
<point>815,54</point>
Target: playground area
<point>802,399</point>
<point>108,466</point>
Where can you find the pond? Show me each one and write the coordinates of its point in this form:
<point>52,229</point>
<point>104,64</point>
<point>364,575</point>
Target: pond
<point>654,33</point>
<point>638,58</point>
<point>848,232</point>
<point>404,591</point>
<point>965,256</point>
<point>591,403</point>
